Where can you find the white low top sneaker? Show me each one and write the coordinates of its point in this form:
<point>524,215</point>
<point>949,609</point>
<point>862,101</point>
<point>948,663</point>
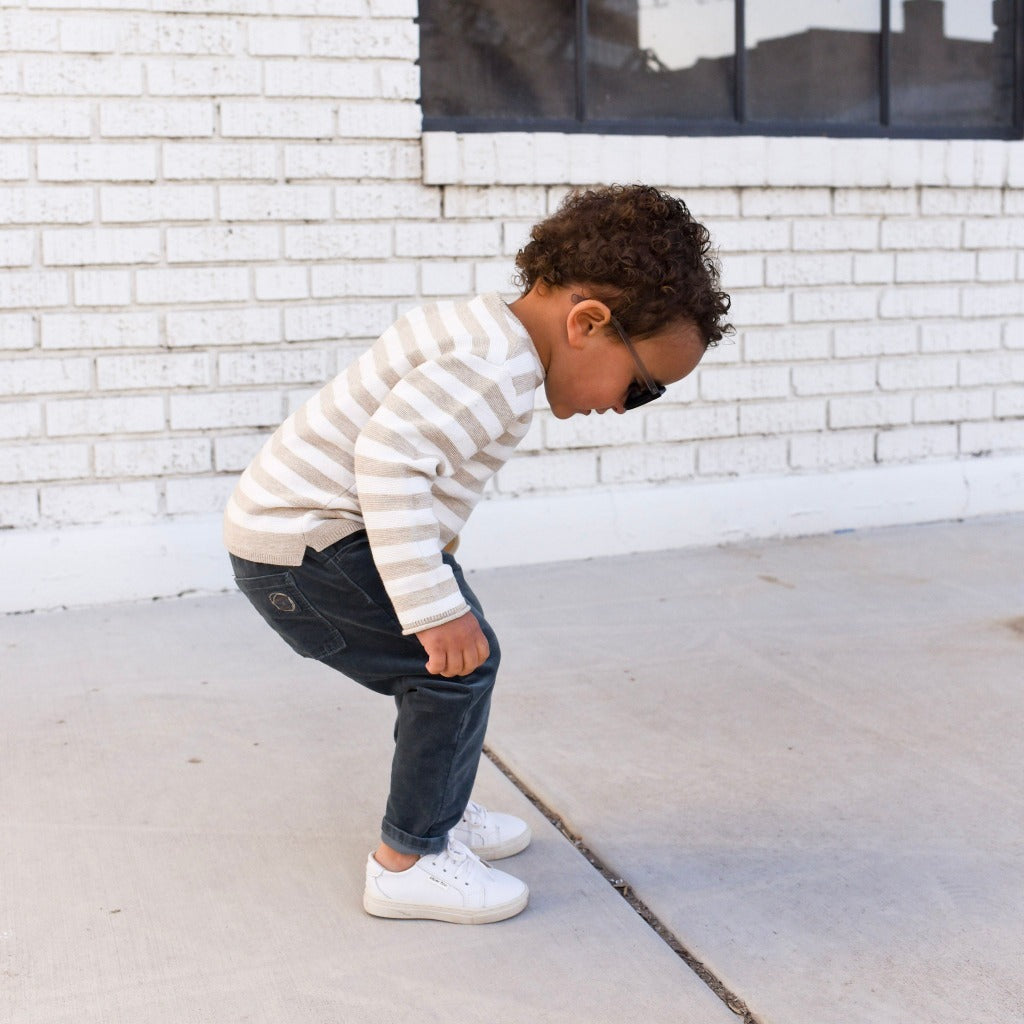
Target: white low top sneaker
<point>453,885</point>
<point>491,834</point>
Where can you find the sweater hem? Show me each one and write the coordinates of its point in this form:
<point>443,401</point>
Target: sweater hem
<point>287,550</point>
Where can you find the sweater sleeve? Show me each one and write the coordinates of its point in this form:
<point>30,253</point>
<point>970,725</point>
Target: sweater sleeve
<point>437,418</point>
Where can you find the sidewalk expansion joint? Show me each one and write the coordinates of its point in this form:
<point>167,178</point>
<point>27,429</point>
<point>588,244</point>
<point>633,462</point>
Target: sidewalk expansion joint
<point>625,890</point>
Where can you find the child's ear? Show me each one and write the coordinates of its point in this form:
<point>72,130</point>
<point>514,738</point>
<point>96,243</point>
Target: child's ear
<point>587,320</point>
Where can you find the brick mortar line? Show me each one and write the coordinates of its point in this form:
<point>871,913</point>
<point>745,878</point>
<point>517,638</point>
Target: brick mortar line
<point>734,1003</point>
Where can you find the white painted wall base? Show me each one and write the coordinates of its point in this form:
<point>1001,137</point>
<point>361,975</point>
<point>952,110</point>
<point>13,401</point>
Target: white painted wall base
<point>85,565</point>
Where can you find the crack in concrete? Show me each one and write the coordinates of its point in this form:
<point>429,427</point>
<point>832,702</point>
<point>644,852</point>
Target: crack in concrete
<point>625,890</point>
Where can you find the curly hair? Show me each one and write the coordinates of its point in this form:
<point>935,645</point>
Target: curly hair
<point>637,249</point>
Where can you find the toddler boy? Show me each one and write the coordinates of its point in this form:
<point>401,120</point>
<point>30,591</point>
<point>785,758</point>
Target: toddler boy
<point>340,528</point>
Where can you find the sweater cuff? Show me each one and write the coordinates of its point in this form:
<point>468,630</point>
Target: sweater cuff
<point>439,619</point>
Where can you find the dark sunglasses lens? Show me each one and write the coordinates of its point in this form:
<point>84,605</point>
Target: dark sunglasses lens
<point>639,395</point>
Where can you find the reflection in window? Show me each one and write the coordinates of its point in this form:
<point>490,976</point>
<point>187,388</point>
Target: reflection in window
<point>952,63</point>
<point>813,61</point>
<point>844,67</point>
<point>660,58</point>
<point>491,58</point>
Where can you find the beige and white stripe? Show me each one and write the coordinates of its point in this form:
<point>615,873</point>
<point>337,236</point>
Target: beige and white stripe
<point>400,444</point>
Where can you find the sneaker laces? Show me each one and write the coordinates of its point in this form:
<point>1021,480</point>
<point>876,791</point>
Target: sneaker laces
<point>474,814</point>
<point>459,857</point>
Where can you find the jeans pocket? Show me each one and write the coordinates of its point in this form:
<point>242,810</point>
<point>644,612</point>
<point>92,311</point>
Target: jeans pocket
<point>353,568</point>
<point>294,618</point>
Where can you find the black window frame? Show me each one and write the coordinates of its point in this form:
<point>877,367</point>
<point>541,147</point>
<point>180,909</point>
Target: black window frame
<point>739,124</point>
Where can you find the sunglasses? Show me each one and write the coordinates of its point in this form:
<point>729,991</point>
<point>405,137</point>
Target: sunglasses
<point>640,392</point>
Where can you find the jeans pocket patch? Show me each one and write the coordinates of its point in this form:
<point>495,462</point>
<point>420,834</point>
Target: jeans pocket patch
<point>287,611</point>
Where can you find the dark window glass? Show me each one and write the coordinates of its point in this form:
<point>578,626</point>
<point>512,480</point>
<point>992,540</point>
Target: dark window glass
<point>952,64</point>
<point>496,59</point>
<point>813,62</point>
<point>833,67</point>
<point>660,59</point>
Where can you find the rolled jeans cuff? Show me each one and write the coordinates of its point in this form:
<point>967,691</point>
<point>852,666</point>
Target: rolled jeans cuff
<point>403,842</point>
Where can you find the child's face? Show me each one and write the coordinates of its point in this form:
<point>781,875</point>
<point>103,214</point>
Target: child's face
<point>594,371</point>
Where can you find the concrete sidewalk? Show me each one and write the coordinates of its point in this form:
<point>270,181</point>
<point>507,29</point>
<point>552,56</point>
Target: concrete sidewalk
<point>804,757</point>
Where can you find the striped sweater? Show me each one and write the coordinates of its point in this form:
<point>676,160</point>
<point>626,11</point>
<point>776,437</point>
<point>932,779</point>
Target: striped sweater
<point>400,444</point>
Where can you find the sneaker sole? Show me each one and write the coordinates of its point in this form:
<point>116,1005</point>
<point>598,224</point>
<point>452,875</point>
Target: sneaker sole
<point>381,906</point>
<point>509,848</point>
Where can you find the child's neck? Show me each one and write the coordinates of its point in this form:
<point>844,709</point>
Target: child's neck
<point>540,313</point>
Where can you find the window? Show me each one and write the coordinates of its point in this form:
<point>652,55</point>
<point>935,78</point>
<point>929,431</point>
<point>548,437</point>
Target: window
<point>910,68</point>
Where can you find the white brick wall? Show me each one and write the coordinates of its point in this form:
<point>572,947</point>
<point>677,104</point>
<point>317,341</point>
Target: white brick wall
<point>205,212</point>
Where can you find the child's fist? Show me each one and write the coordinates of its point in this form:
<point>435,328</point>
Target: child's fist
<point>455,648</point>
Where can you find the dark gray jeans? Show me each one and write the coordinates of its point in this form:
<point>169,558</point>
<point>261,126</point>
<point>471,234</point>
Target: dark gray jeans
<point>334,608</point>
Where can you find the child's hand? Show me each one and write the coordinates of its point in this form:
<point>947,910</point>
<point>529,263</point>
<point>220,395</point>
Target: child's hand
<point>455,648</point>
